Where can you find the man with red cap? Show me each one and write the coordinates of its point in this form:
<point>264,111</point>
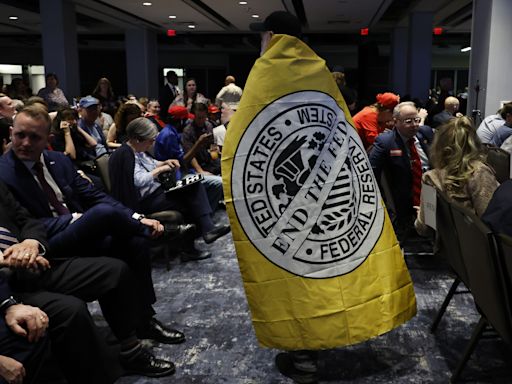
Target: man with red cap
<point>374,119</point>
<point>168,146</point>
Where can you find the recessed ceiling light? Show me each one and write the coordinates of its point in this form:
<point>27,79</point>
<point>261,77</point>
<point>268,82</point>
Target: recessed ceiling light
<point>172,16</point>
<point>147,4</point>
<point>13,17</point>
<point>465,49</point>
<point>242,2</point>
<point>256,16</point>
<point>191,26</point>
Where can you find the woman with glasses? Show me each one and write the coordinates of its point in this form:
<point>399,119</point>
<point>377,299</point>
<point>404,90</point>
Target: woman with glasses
<point>459,168</point>
<point>135,175</point>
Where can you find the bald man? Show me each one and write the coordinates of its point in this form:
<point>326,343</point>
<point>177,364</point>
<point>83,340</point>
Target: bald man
<point>229,94</point>
<point>451,110</point>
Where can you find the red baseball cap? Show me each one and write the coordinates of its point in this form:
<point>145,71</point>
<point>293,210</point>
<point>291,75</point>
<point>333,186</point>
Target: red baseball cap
<point>179,112</point>
<point>388,100</point>
<point>213,109</point>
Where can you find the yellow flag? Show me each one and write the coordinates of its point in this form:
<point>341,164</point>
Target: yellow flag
<point>317,252</point>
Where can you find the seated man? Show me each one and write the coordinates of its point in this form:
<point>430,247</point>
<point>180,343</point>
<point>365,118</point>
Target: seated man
<point>134,180</point>
<point>505,131</point>
<point>59,292</point>
<point>20,358</point>
<point>451,110</point>
<point>95,143</point>
<point>203,161</point>
<point>403,153</point>
<point>168,146</point>
<point>79,219</point>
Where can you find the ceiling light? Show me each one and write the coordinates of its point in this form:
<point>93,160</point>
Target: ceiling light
<point>465,49</point>
<point>242,2</point>
<point>256,16</point>
<point>191,26</point>
<point>13,17</point>
<point>147,4</point>
<point>172,16</point>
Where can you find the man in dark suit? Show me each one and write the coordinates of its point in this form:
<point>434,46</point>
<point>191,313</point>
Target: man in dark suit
<point>79,219</point>
<point>168,93</point>
<point>60,291</point>
<point>402,154</point>
<point>498,214</point>
<point>20,358</point>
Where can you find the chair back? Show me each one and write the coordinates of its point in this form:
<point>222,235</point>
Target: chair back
<point>102,166</point>
<point>448,238</point>
<point>499,160</point>
<point>480,256</point>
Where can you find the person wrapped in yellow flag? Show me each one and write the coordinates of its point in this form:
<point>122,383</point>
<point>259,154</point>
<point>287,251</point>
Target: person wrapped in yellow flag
<point>320,261</point>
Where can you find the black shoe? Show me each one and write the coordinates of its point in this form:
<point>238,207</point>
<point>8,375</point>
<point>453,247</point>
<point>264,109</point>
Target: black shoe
<point>285,366</point>
<point>193,255</point>
<point>180,231</point>
<point>215,233</point>
<point>156,331</point>
<point>146,364</point>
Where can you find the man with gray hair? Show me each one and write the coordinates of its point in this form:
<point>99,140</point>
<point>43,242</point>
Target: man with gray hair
<point>402,154</point>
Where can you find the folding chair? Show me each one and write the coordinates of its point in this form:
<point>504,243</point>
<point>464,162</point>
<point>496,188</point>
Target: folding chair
<point>448,247</point>
<point>481,259</point>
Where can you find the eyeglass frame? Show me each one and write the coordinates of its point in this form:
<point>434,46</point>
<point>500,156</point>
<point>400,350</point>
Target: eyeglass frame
<point>410,120</point>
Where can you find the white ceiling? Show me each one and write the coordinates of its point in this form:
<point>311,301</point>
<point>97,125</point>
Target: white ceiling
<point>323,16</point>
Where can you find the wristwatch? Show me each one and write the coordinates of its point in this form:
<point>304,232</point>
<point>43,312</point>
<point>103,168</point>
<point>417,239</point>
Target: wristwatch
<point>10,301</point>
<point>138,216</point>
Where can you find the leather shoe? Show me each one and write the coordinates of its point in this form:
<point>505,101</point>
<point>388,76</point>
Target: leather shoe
<point>146,364</point>
<point>180,231</point>
<point>215,233</point>
<point>155,330</point>
<point>193,255</point>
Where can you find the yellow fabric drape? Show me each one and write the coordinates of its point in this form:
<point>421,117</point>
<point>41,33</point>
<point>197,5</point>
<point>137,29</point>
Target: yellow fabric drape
<point>318,256</point>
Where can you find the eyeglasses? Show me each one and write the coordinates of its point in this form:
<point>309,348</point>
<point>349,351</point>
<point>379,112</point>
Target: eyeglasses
<point>411,120</point>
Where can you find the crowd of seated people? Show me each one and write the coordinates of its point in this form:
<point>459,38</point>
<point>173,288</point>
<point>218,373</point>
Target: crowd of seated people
<point>77,243</point>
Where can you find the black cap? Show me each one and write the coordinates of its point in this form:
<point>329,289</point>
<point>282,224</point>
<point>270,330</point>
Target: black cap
<point>279,22</point>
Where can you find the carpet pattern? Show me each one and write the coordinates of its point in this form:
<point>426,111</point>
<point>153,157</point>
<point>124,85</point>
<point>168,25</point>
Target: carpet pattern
<point>206,300</point>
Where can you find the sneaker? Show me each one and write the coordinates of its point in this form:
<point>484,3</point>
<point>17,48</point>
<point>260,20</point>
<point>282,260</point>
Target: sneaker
<point>286,367</point>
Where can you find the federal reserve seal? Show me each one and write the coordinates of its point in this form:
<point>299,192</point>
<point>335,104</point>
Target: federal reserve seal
<point>303,190</point>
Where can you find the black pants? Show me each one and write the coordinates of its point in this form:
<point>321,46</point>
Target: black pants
<point>31,355</point>
<point>62,293</point>
<point>104,230</point>
<point>192,201</point>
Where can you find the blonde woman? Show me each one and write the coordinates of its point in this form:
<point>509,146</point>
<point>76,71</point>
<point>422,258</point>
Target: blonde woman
<point>459,169</point>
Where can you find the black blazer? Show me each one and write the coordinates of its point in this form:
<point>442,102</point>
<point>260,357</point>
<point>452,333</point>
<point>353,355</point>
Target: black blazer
<point>498,214</point>
<point>389,153</point>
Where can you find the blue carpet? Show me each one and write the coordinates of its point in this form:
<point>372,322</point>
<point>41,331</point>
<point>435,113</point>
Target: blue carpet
<point>205,299</point>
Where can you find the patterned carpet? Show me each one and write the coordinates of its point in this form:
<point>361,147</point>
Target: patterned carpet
<point>206,300</point>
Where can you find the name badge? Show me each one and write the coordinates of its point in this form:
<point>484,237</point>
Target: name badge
<point>395,152</point>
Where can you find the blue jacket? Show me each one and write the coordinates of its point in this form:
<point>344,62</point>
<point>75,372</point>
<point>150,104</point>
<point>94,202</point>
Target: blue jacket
<point>389,154</point>
<point>79,194</point>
